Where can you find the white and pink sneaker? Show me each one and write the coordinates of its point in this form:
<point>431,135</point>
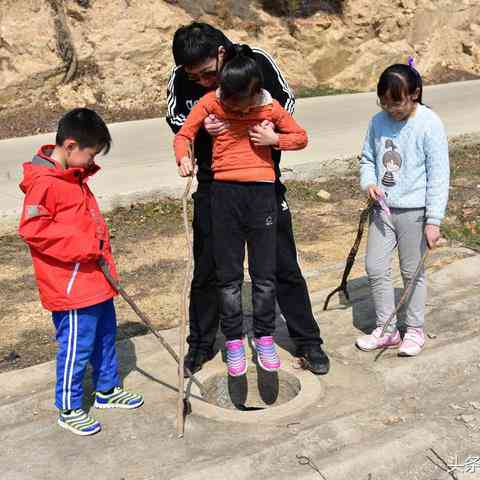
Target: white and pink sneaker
<point>413,342</point>
<point>236,359</point>
<point>375,341</point>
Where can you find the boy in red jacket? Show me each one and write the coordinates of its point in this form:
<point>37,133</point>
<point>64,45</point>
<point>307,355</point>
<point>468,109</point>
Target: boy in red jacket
<point>67,235</point>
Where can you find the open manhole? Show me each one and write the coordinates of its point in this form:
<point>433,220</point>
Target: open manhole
<point>257,390</point>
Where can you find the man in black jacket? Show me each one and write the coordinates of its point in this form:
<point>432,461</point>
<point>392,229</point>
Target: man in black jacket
<point>198,51</point>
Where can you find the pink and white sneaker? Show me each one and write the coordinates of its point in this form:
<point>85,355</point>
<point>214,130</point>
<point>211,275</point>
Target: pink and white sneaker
<point>267,355</point>
<point>413,342</point>
<point>375,341</point>
<point>236,359</point>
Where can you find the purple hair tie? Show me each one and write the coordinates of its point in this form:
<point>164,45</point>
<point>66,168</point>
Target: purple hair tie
<point>411,63</point>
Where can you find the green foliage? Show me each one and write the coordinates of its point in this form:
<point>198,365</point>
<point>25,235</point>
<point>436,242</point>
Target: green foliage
<point>320,91</point>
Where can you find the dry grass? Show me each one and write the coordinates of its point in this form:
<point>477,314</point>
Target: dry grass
<point>149,248</point>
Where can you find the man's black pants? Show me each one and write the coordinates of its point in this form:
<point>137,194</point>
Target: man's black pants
<point>291,288</point>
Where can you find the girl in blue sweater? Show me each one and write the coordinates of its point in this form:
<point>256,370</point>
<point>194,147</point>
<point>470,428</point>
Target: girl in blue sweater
<point>405,163</point>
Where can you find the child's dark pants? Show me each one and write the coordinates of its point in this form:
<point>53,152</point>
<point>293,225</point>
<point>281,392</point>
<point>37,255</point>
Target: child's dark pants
<point>245,213</point>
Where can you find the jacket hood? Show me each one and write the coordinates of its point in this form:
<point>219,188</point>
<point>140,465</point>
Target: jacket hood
<point>43,165</point>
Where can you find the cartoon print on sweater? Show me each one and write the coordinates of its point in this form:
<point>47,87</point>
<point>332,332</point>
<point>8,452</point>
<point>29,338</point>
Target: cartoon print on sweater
<point>392,161</point>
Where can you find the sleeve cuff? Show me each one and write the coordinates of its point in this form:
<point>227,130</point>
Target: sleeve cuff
<point>433,221</point>
<point>282,143</point>
<point>364,185</point>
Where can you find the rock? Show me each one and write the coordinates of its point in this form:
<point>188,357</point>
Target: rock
<point>11,357</point>
<point>324,23</point>
<point>454,406</point>
<point>392,420</point>
<point>472,202</point>
<point>324,195</point>
<point>467,48</point>
<point>407,4</point>
<point>466,418</point>
<point>442,242</point>
<point>475,405</point>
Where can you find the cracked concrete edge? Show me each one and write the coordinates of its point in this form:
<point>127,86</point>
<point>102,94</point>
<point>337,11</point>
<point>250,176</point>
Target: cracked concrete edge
<point>41,377</point>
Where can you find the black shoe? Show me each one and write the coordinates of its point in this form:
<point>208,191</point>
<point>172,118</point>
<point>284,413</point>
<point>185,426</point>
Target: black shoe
<point>194,360</point>
<point>314,359</point>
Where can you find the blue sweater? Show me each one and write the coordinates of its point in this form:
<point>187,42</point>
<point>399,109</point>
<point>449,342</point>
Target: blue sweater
<point>409,161</point>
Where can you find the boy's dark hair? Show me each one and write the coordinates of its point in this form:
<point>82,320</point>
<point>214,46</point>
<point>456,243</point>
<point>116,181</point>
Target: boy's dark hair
<point>240,76</point>
<point>400,80</point>
<point>86,127</point>
<point>197,42</point>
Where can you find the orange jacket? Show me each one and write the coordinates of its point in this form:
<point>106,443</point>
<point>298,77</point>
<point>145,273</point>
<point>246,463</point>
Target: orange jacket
<point>235,158</point>
<point>66,233</point>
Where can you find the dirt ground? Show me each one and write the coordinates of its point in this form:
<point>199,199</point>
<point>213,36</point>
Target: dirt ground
<point>149,248</point>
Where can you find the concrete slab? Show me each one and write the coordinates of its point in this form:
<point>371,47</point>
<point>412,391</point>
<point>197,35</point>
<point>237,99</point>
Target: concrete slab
<point>363,418</point>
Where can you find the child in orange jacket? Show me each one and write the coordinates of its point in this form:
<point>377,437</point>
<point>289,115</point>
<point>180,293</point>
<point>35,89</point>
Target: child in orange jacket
<point>243,197</point>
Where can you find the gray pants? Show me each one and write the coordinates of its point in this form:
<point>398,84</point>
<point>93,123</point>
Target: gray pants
<point>405,229</point>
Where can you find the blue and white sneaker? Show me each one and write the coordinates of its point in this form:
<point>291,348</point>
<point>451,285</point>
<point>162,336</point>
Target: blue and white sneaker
<point>119,398</point>
<point>79,422</point>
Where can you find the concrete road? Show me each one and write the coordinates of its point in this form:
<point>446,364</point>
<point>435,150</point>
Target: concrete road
<point>141,161</point>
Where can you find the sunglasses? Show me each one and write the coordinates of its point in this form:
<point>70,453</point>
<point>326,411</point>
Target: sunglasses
<point>206,75</point>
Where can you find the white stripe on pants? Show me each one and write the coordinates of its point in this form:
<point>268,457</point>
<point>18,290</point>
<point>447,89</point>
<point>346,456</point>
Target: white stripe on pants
<point>70,363</point>
<point>405,229</point>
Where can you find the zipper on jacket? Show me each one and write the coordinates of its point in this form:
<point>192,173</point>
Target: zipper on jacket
<point>72,278</point>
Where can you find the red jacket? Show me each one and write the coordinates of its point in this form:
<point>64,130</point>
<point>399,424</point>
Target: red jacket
<point>66,233</point>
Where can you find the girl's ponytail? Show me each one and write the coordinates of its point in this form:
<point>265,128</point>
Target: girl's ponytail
<point>240,75</point>
<point>413,67</point>
<point>238,50</point>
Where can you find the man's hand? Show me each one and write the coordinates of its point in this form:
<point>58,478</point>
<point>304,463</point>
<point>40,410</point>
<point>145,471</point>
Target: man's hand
<point>375,192</point>
<point>432,234</point>
<point>214,126</point>
<point>262,136</point>
<point>185,169</point>
<point>268,124</point>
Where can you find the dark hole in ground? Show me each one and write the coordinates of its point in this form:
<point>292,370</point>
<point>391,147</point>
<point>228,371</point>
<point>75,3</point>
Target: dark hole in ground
<point>256,390</point>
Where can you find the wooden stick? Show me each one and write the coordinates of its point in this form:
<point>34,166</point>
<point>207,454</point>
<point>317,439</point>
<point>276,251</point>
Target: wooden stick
<point>408,290</point>
<point>185,304</point>
<point>405,296</point>
<point>146,320</point>
<point>351,256</point>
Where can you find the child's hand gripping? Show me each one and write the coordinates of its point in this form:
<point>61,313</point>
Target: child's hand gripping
<point>186,167</point>
<point>383,204</point>
<point>432,234</point>
<point>377,195</point>
<point>263,135</point>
